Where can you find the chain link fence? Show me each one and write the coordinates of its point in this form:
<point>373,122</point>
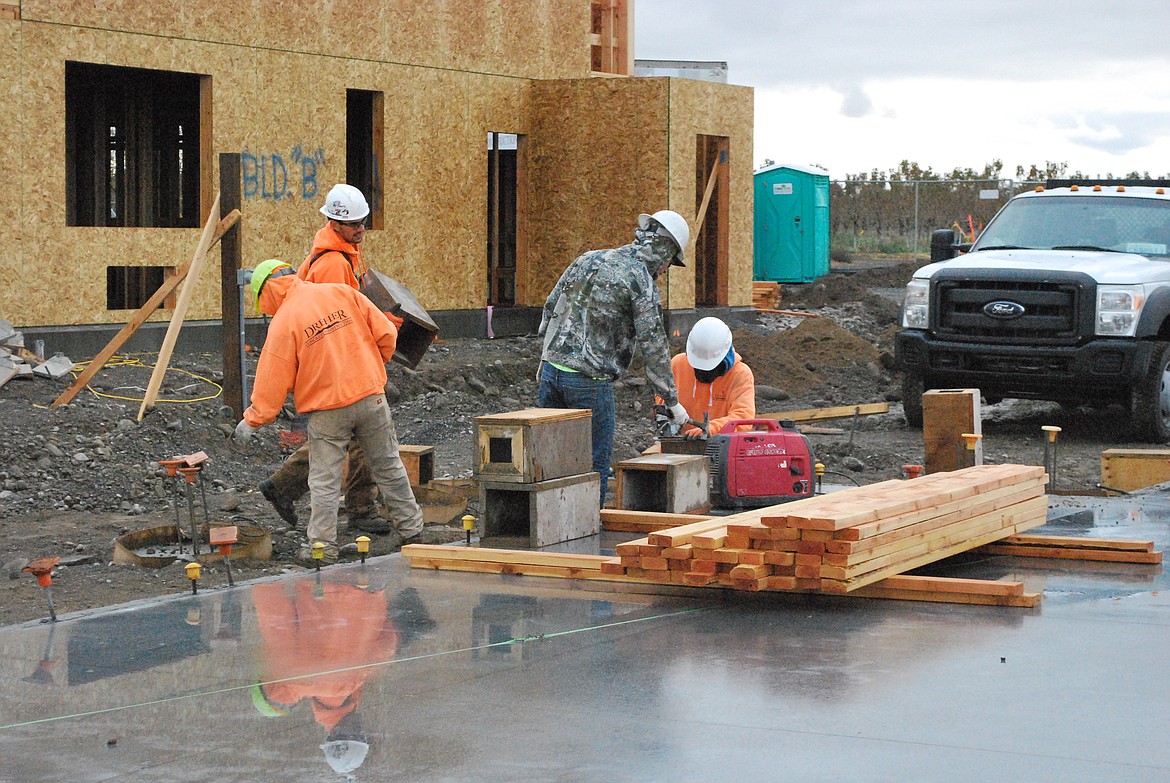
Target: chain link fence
<point>898,216</point>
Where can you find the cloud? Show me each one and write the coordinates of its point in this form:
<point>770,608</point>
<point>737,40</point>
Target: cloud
<point>855,102</point>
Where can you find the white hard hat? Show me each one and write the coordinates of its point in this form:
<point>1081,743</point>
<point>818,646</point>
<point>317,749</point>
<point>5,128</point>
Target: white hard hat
<point>345,203</point>
<point>344,756</point>
<point>675,226</point>
<point>707,344</point>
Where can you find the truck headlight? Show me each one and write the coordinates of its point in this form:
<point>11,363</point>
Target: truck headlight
<point>1118,309</point>
<point>916,305</point>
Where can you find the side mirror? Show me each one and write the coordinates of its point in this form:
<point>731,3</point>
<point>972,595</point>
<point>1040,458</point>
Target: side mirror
<point>943,245</point>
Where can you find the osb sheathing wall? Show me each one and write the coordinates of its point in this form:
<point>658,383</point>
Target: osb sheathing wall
<point>710,109</point>
<point>604,150</point>
<point>534,39</point>
<point>270,102</point>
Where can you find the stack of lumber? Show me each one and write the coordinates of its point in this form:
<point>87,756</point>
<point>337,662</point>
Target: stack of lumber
<point>842,541</point>
<point>765,295</point>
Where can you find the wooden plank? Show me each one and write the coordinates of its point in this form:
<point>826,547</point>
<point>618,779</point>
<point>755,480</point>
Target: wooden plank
<point>1065,553</point>
<point>946,515</point>
<point>1023,521</point>
<point>180,312</point>
<point>644,521</point>
<point>818,414</point>
<point>486,554</point>
<point>534,416</point>
<point>126,332</point>
<point>1080,542</point>
<point>953,533</point>
<point>683,534</point>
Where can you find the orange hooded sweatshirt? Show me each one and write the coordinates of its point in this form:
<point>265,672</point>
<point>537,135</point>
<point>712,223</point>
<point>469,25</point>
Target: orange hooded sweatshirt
<point>731,396</point>
<point>335,638</point>
<point>330,262</point>
<point>333,260</point>
<point>327,344</point>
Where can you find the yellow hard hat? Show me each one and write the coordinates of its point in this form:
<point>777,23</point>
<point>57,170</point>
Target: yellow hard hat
<point>263,271</point>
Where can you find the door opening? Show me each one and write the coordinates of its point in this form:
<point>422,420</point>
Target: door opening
<point>711,220</point>
<point>505,209</point>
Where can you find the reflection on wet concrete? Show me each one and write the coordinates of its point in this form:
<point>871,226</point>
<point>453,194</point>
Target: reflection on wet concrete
<point>378,672</point>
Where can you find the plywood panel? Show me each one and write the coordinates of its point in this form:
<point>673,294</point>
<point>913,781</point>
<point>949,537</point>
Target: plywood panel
<point>714,110</point>
<point>533,39</point>
<point>597,159</point>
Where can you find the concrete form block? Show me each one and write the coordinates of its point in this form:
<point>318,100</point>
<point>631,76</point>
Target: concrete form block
<point>6,330</point>
<point>668,483</point>
<point>544,512</point>
<point>534,444</point>
<point>418,330</point>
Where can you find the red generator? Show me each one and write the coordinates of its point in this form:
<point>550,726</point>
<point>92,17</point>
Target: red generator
<point>769,464</point>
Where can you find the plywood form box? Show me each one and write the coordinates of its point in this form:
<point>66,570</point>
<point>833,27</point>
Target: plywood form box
<point>419,462</point>
<point>417,332</point>
<point>1131,469</point>
<point>534,444</point>
<point>948,414</point>
<point>546,512</point>
<point>669,483</point>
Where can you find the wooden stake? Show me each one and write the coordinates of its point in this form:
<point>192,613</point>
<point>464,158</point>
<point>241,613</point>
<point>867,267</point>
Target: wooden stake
<point>153,303</point>
<point>196,266</point>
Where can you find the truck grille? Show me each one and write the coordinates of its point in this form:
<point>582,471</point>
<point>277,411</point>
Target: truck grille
<point>1051,311</point>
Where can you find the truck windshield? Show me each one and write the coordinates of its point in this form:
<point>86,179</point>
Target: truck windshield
<point>1119,224</point>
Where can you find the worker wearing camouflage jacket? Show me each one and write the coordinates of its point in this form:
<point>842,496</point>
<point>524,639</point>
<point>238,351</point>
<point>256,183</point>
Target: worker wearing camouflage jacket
<point>603,307</point>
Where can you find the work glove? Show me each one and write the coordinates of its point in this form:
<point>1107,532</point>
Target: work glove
<point>677,413</point>
<point>243,434</point>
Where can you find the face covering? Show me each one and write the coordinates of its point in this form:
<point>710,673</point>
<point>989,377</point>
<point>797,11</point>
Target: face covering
<point>709,376</point>
<point>657,247</point>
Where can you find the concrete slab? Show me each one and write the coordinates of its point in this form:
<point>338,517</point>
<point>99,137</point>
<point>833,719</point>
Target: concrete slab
<point>450,676</point>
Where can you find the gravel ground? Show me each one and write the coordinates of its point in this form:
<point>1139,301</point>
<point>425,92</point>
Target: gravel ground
<point>75,479</point>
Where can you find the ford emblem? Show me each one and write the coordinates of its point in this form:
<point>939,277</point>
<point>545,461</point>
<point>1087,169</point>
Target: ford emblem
<point>1003,310</point>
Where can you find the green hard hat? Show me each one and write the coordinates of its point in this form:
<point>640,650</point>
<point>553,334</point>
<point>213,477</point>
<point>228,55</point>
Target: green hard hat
<point>260,276</point>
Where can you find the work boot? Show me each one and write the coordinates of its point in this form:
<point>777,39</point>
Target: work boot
<point>370,523</point>
<point>283,505</point>
<point>305,555</point>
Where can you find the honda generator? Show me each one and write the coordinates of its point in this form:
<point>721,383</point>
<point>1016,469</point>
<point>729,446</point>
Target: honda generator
<point>769,464</point>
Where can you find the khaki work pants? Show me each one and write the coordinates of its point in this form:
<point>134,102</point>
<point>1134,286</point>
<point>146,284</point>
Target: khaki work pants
<point>330,432</point>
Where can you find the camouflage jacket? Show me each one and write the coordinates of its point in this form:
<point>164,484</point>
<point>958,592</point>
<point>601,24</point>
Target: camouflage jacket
<point>604,304</point>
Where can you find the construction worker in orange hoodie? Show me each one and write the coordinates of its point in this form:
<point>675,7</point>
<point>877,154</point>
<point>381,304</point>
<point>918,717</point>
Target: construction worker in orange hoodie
<point>329,345</point>
<point>712,379</point>
<point>336,257</point>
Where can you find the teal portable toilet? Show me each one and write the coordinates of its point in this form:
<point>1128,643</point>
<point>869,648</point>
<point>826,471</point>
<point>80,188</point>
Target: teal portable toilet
<point>792,224</point>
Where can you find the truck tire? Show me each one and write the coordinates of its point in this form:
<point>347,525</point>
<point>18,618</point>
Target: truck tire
<point>912,388</point>
<point>1150,399</point>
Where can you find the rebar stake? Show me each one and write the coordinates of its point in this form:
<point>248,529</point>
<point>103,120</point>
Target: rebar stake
<point>1050,432</point>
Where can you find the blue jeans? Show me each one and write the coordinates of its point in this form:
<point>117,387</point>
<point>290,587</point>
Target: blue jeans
<point>560,389</point>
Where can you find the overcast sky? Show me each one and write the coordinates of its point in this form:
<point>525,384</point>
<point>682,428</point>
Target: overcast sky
<point>853,85</point>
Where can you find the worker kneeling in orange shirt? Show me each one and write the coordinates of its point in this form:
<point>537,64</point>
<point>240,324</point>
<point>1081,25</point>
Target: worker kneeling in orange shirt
<point>712,379</point>
<point>328,344</point>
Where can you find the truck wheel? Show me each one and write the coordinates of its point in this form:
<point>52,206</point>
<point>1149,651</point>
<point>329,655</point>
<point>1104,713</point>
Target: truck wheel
<point>912,388</point>
<point>1150,399</point>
